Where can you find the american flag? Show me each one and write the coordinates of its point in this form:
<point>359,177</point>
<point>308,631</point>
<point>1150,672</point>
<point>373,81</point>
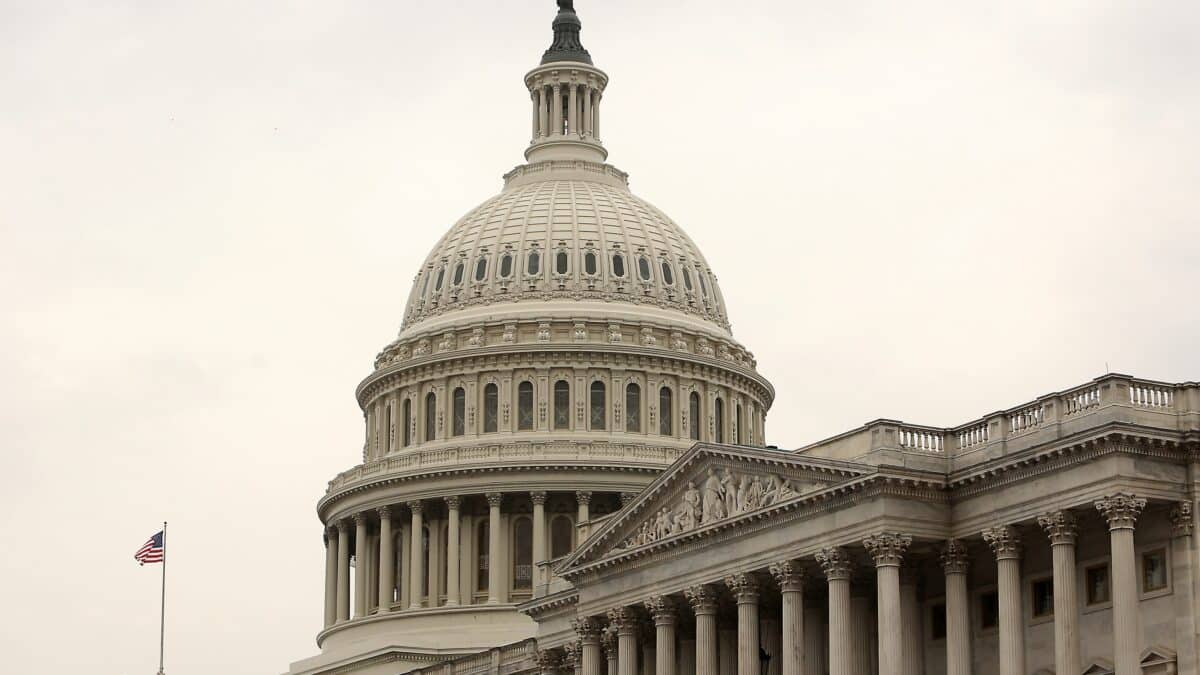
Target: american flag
<point>152,551</point>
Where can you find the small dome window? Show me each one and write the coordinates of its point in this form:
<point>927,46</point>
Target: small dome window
<point>618,265</point>
<point>506,264</point>
<point>561,263</point>
<point>687,279</point>
<point>589,263</point>
<point>703,286</point>
<point>668,276</point>
<point>437,286</point>
<point>458,273</point>
<point>644,268</point>
<point>533,263</point>
<point>480,269</point>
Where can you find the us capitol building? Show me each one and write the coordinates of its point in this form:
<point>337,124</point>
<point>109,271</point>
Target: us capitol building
<point>565,473</point>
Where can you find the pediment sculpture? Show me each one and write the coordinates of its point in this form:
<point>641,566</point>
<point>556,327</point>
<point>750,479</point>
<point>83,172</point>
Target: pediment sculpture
<point>720,495</point>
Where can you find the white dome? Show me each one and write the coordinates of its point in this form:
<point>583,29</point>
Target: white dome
<point>565,237</point>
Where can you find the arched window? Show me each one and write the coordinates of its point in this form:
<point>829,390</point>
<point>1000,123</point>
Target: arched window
<point>740,437</point>
<point>480,269</point>
<point>633,407</point>
<point>430,416</point>
<point>533,263</point>
<point>668,276</point>
<point>481,557</point>
<point>407,406</point>
<point>460,411</point>
<point>441,276</point>
<point>618,265</point>
<point>598,409</point>
<point>387,430</point>
<point>589,263</point>
<point>703,286</point>
<point>644,268</point>
<point>525,406</point>
<point>458,273</point>
<point>562,404</point>
<point>694,415</point>
<point>561,262</point>
<point>665,412</point>
<point>687,278</point>
<point>561,532</point>
<point>506,265</point>
<point>425,284</point>
<point>522,555</point>
<point>491,404</point>
<point>719,413</point>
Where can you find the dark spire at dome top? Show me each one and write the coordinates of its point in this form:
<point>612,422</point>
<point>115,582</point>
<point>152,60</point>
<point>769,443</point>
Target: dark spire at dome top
<point>566,45</point>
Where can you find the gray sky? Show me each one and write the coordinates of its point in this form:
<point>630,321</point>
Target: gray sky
<point>211,213</point>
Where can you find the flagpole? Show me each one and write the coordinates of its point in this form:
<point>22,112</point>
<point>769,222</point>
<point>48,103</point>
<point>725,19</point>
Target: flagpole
<point>162,613</point>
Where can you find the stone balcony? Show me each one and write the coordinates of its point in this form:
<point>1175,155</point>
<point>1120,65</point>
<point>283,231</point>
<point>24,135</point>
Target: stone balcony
<point>1111,401</point>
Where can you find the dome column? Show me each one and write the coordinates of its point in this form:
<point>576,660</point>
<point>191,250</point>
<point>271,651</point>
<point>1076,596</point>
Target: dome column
<point>416,555</point>
<point>556,110</point>
<point>542,104</point>
<point>587,111</point>
<point>343,571</point>
<point>452,550</point>
<point>573,109</point>
<point>539,534</point>
<point>583,499</point>
<point>494,567</point>
<point>331,573</point>
<point>596,115</point>
<point>387,565</point>
<point>360,564</point>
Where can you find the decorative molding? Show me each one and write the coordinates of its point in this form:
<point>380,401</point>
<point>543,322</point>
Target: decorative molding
<point>1181,519</point>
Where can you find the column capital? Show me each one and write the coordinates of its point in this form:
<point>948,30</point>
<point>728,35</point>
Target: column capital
<point>1181,519</point>
<point>345,525</point>
<point>331,530</point>
<point>954,557</point>
<point>789,574</point>
<point>627,497</point>
<point>662,610</point>
<point>548,661</point>
<point>835,562</point>
<point>887,548</point>
<point>361,518</point>
<point>703,598</point>
<point>573,654</point>
<point>416,506</point>
<point>608,642</point>
<point>453,503</point>
<point>494,498</point>
<point>1004,540</point>
<point>744,586</point>
<point>538,496</point>
<point>385,513</point>
<point>587,627</point>
<point>1121,509</point>
<point>624,619</point>
<point>1060,526</point>
<point>583,497</point>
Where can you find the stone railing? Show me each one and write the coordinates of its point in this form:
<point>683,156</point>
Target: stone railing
<point>517,657</point>
<point>416,461</point>
<point>1111,398</point>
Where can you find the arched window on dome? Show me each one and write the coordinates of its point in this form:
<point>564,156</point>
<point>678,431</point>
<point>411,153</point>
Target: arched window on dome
<point>481,557</point>
<point>562,531</point>
<point>458,273</point>
<point>666,412</point>
<point>687,277</point>
<point>459,422</point>
<point>407,416</point>
<point>506,265</point>
<point>589,263</point>
<point>533,263</point>
<point>441,277</point>
<point>643,268</point>
<point>668,276</point>
<point>741,439</point>
<point>388,429</point>
<point>430,416</point>
<point>425,283</point>
<point>562,262</point>
<point>522,555</point>
<point>703,286</point>
<point>491,405</point>
<point>480,268</point>
<point>719,422</point>
<point>525,406</point>
<point>618,265</point>
<point>599,411</point>
<point>562,404</point>
<point>633,407</point>
<point>694,415</point>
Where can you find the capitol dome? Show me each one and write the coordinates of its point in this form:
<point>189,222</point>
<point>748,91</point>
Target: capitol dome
<point>563,343</point>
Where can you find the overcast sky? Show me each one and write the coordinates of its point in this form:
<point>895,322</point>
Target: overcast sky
<point>211,212</point>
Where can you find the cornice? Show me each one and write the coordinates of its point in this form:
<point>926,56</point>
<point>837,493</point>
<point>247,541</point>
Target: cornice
<point>542,606</point>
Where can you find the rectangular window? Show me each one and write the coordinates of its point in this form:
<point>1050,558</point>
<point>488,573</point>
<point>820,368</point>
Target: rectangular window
<point>989,610</point>
<point>1154,570</point>
<point>1042,594</point>
<point>937,621</point>
<point>1098,589</point>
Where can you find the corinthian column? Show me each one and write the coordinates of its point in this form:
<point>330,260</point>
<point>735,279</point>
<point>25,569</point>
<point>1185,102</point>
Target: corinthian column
<point>416,556</point>
<point>360,564</point>
<point>582,500</point>
<point>887,549</point>
<point>588,630</point>
<point>331,561</point>
<point>1007,546</point>
<point>625,620</point>
<point>539,536</point>
<point>556,110</point>
<point>910,613</point>
<point>608,643</point>
<point>453,546</point>
<point>958,622</point>
<point>745,591</point>
<point>1060,527</point>
<point>1122,511</point>
<point>836,565</point>
<point>1183,568</point>
<point>790,577</point>
<point>703,600</point>
<point>343,573</point>
<point>387,564</point>
<point>662,611</point>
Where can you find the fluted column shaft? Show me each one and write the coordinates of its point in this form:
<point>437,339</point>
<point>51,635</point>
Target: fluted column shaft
<point>627,650</point>
<point>589,645</point>
<point>887,549</point>
<point>573,109</point>
<point>664,638</point>
<point>836,565</point>
<point>343,572</point>
<point>533,97</point>
<point>1122,511</point>
<point>596,116</point>
<point>582,501</point>
<point>453,548</point>
<point>387,561</point>
<point>556,110</point>
<point>703,600</point>
<point>331,562</point>
<point>542,112</point>
<point>745,591</point>
<point>360,565</point>
<point>494,566</point>
<point>1007,546</point>
<point>416,556</point>
<point>910,612</point>
<point>958,621</point>
<point>587,111</point>
<point>1060,527</point>
<point>539,536</point>
<point>790,577</point>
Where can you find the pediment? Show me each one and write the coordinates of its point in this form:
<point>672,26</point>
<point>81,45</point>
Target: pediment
<point>1156,656</point>
<point>1099,667</point>
<point>707,488</point>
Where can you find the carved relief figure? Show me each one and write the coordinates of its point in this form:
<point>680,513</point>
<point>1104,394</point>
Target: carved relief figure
<point>712,503</point>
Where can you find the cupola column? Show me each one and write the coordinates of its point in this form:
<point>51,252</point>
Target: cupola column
<point>494,566</point>
<point>542,121</point>
<point>453,545</point>
<point>587,111</point>
<point>331,574</point>
<point>360,564</point>
<point>387,564</point>
<point>343,573</point>
<point>556,107</point>
<point>416,554</point>
<point>573,109</point>
<point>596,114</point>
<point>533,97</point>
